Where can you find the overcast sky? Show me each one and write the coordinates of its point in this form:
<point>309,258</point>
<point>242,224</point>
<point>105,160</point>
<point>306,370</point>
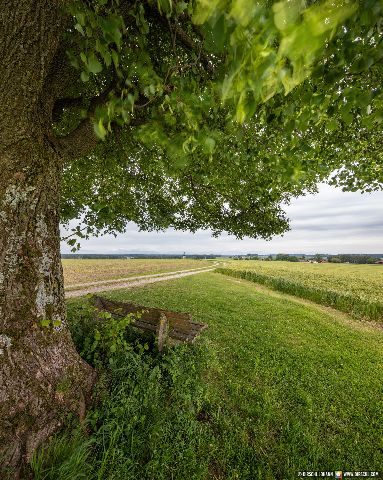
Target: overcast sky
<point>331,221</point>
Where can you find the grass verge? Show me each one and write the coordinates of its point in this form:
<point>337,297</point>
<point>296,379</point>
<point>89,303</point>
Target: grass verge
<point>272,388</point>
<point>348,303</point>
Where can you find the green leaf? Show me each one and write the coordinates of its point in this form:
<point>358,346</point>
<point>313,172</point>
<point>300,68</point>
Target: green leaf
<point>45,322</point>
<point>84,57</point>
<point>378,115</point>
<point>332,125</point>
<point>79,28</point>
<point>219,34</point>
<point>104,52</point>
<point>115,58</point>
<point>107,58</point>
<point>84,76</point>
<point>99,129</point>
<point>80,17</point>
<point>347,116</point>
<point>111,27</point>
<point>204,10</point>
<point>209,144</point>
<point>164,6</point>
<point>181,6</point>
<point>286,13</point>
<point>94,65</point>
<point>243,11</point>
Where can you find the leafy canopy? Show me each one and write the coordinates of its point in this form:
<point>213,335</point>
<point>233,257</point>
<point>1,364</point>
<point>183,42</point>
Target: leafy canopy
<point>213,113</point>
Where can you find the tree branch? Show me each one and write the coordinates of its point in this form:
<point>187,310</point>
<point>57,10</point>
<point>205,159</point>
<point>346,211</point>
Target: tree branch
<point>63,103</point>
<point>184,38</point>
<point>82,139</point>
<point>193,45</point>
<point>79,142</point>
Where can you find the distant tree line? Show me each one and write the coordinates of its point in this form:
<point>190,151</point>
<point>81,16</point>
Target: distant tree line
<point>287,258</point>
<point>353,258</point>
<point>249,256</point>
<point>339,258</point>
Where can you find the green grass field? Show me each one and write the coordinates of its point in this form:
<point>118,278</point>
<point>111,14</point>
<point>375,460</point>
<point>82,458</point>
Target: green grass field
<point>355,289</point>
<point>273,387</point>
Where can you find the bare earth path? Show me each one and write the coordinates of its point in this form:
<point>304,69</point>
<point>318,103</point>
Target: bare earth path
<point>104,285</point>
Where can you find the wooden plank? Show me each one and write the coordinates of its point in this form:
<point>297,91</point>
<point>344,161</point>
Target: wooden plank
<point>147,313</point>
<point>127,307</point>
<point>144,326</point>
<point>164,323</point>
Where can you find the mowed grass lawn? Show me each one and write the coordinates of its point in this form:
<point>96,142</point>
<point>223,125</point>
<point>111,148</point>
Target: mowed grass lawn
<point>77,271</point>
<point>287,387</point>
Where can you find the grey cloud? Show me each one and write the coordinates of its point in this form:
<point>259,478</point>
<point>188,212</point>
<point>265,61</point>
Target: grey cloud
<point>338,224</point>
<point>331,221</point>
<point>344,211</point>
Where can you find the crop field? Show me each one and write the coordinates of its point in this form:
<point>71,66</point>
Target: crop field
<point>355,289</point>
<point>272,387</point>
<point>78,271</point>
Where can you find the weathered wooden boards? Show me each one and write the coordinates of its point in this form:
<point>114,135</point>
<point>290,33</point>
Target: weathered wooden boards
<point>165,323</point>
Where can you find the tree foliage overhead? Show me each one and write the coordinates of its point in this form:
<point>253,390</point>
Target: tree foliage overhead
<point>214,112</point>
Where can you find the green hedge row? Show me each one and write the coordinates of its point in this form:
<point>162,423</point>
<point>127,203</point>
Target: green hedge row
<point>355,306</point>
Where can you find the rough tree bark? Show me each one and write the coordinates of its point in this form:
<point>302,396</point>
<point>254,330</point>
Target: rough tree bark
<point>42,377</point>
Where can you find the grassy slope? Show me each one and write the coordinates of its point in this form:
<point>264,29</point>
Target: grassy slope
<point>285,387</point>
<point>290,389</point>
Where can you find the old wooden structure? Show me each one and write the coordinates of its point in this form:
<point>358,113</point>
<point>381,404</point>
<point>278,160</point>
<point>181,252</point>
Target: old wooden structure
<point>166,324</point>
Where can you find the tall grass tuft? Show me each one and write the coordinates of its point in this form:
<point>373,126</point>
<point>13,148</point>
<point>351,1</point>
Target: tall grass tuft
<point>64,457</point>
<point>357,307</point>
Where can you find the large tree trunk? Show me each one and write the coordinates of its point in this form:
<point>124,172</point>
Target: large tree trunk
<point>42,378</point>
